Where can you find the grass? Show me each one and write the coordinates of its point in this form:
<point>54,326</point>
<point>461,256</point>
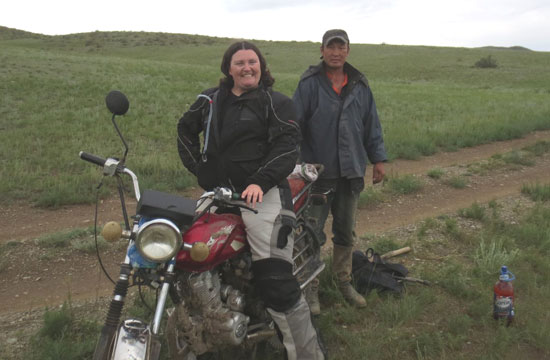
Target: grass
<point>512,160</point>
<point>406,184</point>
<point>539,148</point>
<point>80,239</point>
<point>380,244</point>
<point>518,158</point>
<point>489,256</point>
<point>370,197</point>
<point>436,173</point>
<point>63,336</point>
<point>4,248</point>
<point>537,192</point>
<point>452,318</point>
<point>426,227</point>
<point>54,87</point>
<point>393,185</point>
<point>457,182</point>
<point>475,211</point>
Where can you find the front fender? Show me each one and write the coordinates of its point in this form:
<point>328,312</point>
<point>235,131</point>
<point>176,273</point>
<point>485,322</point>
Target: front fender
<point>134,340</point>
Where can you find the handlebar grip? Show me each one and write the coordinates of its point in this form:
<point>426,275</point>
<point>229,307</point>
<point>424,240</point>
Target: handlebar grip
<point>92,158</point>
<point>236,196</point>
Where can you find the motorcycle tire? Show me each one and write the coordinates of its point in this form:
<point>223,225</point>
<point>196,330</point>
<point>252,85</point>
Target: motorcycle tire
<point>311,232</point>
<point>104,347</point>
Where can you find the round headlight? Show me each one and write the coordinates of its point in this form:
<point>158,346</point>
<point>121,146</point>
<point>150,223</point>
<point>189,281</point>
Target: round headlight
<point>158,240</point>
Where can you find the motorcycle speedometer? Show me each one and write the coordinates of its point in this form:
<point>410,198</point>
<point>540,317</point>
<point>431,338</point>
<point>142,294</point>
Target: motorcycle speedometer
<point>158,240</point>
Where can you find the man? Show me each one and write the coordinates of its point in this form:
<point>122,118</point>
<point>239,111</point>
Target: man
<point>341,130</point>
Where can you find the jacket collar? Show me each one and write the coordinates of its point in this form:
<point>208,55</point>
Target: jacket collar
<point>354,75</point>
<point>252,94</point>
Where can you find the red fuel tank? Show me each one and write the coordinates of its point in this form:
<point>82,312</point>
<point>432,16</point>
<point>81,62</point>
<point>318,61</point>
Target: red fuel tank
<point>223,233</point>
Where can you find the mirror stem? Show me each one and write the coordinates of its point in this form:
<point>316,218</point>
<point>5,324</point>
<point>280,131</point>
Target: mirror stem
<point>123,203</point>
<point>123,161</point>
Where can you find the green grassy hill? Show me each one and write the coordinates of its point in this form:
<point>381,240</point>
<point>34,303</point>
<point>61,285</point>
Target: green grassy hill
<point>7,33</point>
<point>53,88</point>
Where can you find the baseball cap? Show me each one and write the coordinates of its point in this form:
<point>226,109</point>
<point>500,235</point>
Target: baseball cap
<point>335,34</point>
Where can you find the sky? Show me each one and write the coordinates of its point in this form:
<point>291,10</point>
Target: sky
<point>455,23</point>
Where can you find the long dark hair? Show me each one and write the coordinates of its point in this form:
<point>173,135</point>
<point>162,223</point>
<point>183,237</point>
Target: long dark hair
<point>266,79</point>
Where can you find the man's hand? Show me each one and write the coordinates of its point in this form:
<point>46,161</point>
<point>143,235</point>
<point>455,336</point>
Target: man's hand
<point>253,193</point>
<point>378,173</point>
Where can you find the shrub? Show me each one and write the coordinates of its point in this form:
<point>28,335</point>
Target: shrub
<point>518,158</point>
<point>57,322</point>
<point>64,238</point>
<point>404,185</point>
<point>541,147</point>
<point>476,212</point>
<point>486,62</point>
<point>489,257</point>
<point>368,197</point>
<point>537,192</point>
<point>63,337</point>
<point>458,182</point>
<point>436,173</point>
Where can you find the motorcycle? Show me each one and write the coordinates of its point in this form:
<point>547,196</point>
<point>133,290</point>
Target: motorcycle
<point>196,254</point>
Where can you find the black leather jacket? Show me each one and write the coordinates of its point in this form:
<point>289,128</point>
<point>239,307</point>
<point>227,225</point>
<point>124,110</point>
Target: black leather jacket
<point>253,142</point>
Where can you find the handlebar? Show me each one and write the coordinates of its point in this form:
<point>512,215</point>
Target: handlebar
<point>112,167</point>
<point>225,196</point>
<point>221,194</point>
<point>92,158</point>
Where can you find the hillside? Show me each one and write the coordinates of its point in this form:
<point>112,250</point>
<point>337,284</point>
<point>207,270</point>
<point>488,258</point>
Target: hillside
<point>7,33</point>
<point>430,100</point>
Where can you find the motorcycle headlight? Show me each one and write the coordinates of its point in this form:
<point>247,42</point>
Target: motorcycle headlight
<point>158,240</point>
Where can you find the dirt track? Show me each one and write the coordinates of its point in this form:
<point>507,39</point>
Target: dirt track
<point>33,277</point>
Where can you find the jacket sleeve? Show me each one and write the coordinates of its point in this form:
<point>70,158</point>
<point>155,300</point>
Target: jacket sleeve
<point>189,128</point>
<point>373,141</point>
<point>301,103</point>
<point>283,140</point>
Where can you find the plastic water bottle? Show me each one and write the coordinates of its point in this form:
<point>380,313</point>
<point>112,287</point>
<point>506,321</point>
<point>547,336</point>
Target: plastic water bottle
<point>503,301</point>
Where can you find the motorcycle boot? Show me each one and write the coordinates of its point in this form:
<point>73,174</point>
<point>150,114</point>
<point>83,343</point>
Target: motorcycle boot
<point>300,337</point>
<point>341,265</point>
<point>288,308</point>
<point>312,297</point>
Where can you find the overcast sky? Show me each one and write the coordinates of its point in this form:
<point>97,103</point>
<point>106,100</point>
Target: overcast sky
<point>462,23</point>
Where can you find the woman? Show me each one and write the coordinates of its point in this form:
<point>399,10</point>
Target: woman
<point>250,146</point>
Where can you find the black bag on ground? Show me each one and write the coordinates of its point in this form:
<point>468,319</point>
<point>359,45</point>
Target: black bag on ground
<point>369,272</point>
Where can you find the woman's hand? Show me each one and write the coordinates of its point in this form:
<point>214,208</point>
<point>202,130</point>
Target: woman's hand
<point>253,193</point>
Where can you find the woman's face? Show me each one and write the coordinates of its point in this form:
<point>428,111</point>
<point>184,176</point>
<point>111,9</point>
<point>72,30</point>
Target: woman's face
<point>245,70</point>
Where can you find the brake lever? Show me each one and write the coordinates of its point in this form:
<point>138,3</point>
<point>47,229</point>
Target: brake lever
<point>247,208</point>
<point>225,197</point>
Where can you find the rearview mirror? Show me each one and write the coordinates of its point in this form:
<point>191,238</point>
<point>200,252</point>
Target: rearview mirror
<point>117,102</point>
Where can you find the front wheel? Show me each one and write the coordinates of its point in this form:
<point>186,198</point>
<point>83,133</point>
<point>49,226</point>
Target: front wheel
<point>132,339</point>
<point>104,347</point>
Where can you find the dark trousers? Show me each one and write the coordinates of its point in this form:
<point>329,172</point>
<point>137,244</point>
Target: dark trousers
<point>342,197</point>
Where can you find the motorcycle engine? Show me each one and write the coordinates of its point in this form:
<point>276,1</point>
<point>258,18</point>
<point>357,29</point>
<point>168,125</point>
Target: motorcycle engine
<point>210,315</point>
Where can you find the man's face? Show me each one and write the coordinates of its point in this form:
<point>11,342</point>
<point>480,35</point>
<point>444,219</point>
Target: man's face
<point>335,53</point>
